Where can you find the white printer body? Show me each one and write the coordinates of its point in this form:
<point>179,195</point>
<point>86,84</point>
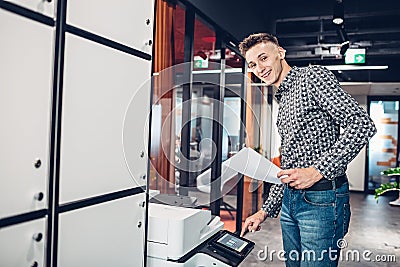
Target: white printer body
<point>175,231</point>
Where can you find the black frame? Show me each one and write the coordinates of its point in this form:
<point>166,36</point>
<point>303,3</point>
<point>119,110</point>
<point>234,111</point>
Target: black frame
<point>186,99</point>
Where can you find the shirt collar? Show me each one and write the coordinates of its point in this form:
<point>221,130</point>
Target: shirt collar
<point>286,82</point>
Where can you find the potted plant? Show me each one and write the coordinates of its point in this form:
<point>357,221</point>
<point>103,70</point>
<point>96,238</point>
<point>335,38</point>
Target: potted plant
<point>391,186</point>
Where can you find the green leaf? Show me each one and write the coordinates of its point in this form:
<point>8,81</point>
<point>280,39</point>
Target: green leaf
<point>385,188</point>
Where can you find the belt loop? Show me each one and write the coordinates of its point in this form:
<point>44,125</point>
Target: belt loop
<point>334,184</point>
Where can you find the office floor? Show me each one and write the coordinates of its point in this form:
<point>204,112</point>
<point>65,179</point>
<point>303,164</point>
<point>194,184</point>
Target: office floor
<point>374,232</point>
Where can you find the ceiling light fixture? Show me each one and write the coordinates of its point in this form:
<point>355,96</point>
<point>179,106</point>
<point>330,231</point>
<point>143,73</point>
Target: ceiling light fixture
<point>227,70</point>
<point>338,12</point>
<point>354,67</point>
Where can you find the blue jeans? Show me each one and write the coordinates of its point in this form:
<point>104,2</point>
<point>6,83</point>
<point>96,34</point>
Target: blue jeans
<point>313,225</point>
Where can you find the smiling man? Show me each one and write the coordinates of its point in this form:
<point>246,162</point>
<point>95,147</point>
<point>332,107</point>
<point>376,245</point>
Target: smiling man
<point>314,197</point>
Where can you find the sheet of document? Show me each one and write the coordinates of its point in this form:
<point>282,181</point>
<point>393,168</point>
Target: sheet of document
<point>252,164</point>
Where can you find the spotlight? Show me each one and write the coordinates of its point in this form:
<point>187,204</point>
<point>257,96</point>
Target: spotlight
<point>343,47</point>
<point>344,40</point>
<point>342,34</point>
<point>338,12</point>
<point>202,55</point>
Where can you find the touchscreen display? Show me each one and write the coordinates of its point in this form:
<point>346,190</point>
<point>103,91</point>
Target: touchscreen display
<point>232,242</point>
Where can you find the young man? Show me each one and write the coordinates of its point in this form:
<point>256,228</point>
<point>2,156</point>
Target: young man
<point>314,197</point>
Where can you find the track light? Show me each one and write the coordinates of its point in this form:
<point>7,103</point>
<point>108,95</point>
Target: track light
<point>352,67</point>
<point>344,40</point>
<point>202,55</point>
<point>343,47</point>
<point>342,34</point>
<point>338,12</point>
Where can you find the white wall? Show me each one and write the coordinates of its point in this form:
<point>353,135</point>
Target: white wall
<point>356,168</point>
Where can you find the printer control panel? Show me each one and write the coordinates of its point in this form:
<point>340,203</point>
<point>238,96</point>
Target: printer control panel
<point>224,246</point>
<point>230,245</point>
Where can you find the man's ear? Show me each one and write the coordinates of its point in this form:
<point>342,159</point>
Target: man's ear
<point>282,52</point>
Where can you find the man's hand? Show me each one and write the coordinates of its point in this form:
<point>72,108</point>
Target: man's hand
<point>253,222</point>
<point>300,178</point>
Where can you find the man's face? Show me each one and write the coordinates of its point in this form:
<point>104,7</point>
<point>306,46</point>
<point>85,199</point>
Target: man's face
<point>265,61</point>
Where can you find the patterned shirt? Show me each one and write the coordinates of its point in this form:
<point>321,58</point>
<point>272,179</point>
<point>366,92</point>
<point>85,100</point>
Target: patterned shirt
<point>312,109</point>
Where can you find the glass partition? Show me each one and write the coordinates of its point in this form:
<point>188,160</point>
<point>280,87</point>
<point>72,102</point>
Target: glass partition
<point>168,52</point>
<point>197,115</point>
<point>204,84</point>
<point>382,149</point>
<point>204,47</point>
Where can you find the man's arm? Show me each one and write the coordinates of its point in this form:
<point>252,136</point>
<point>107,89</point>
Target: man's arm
<point>253,222</point>
<point>345,111</point>
<point>271,208</point>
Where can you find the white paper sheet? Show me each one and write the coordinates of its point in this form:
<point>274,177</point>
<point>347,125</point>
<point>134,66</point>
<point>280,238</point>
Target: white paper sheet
<point>252,164</point>
<point>246,161</point>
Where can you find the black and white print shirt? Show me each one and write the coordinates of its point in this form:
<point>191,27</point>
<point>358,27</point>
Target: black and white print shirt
<point>312,110</point>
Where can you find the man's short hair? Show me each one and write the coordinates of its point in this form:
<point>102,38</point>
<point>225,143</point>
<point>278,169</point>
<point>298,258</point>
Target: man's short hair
<point>254,39</point>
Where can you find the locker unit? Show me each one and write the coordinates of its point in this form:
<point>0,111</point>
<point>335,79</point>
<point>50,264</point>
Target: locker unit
<point>23,244</point>
<point>70,71</point>
<point>25,106</point>
<point>124,21</point>
<point>99,83</point>
<point>108,234</point>
<point>46,8</point>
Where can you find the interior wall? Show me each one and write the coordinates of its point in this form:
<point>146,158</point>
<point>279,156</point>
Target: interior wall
<point>356,168</point>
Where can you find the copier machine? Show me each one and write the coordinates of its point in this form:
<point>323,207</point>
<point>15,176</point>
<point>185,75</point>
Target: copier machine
<point>180,236</point>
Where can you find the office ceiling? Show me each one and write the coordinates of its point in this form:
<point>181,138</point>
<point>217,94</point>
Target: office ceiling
<point>306,31</point>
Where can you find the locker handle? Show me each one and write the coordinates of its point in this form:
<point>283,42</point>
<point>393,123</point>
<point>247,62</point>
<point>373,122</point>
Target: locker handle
<point>38,237</point>
<point>35,264</point>
<point>37,163</point>
<point>39,196</point>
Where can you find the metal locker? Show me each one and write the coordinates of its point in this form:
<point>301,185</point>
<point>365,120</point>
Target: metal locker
<point>106,234</point>
<point>26,52</point>
<point>44,7</point>
<point>99,83</point>
<point>23,244</point>
<point>129,22</point>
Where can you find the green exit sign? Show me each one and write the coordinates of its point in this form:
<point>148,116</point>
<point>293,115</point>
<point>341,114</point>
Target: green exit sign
<point>355,56</point>
<point>200,63</point>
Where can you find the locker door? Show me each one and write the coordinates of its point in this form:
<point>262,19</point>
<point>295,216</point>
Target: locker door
<point>25,97</point>
<point>107,234</point>
<point>23,244</point>
<point>124,21</point>
<point>99,83</point>
<point>44,7</point>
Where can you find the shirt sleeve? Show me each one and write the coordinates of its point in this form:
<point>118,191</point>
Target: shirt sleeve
<point>357,126</point>
<point>272,206</point>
